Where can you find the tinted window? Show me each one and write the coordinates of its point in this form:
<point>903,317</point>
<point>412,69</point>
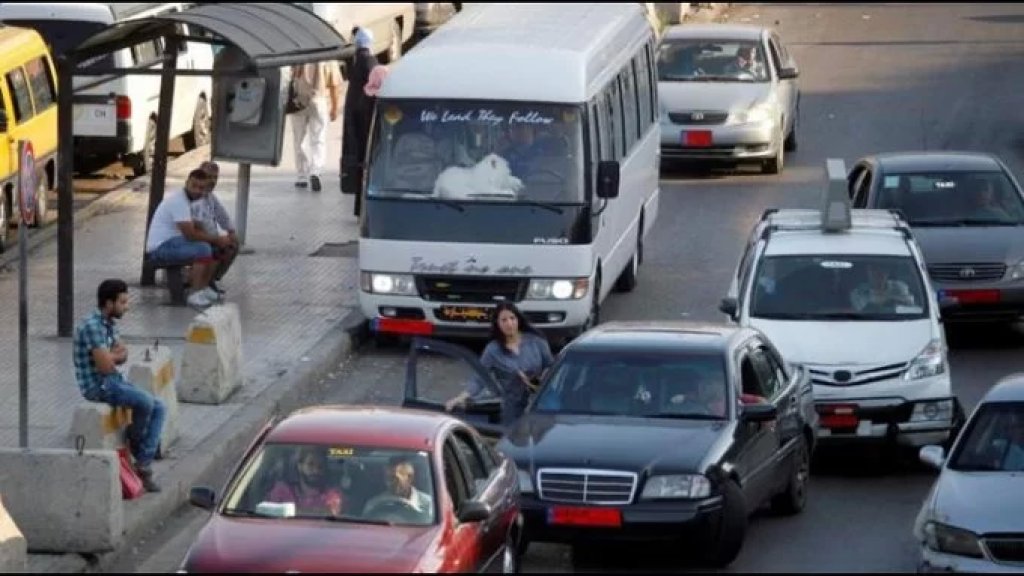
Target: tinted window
<point>64,35</point>
<point>454,478</point>
<point>643,88</point>
<point>838,287</point>
<point>18,86</point>
<point>41,81</point>
<point>952,198</point>
<point>993,441</point>
<point>712,60</point>
<point>629,106</point>
<point>477,468</point>
<point>636,384</point>
<point>766,374</point>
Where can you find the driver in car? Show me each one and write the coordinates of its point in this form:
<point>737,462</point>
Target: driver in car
<point>880,291</point>
<point>400,477</point>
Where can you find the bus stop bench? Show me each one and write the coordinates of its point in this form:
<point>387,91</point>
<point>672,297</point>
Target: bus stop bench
<point>174,274</point>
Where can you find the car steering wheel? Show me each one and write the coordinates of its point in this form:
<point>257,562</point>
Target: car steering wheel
<point>393,509</point>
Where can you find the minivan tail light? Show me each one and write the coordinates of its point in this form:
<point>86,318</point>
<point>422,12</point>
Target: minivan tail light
<point>124,108</point>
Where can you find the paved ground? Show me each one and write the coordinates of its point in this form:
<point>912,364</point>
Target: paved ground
<point>291,293</point>
<point>874,78</point>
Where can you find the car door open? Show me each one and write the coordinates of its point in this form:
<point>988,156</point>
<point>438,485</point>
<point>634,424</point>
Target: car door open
<point>437,371</point>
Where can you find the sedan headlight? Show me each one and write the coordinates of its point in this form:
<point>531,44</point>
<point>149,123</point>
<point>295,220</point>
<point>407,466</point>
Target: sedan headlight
<point>753,115</point>
<point>1017,271</point>
<point>676,486</point>
<point>392,284</point>
<point>930,362</point>
<point>943,538</point>
<point>558,289</point>
<point>525,482</point>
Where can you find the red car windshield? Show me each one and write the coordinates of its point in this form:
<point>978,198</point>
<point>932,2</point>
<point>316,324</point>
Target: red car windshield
<point>337,483</point>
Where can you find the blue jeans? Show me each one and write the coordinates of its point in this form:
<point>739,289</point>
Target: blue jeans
<point>180,249</point>
<point>148,414</point>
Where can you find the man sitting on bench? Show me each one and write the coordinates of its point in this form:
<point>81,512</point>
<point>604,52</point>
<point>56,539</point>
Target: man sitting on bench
<point>174,238</point>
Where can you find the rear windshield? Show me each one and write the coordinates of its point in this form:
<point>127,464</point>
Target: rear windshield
<point>61,36</point>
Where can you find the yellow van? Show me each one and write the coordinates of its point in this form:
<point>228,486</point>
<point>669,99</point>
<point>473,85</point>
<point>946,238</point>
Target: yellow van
<point>28,111</point>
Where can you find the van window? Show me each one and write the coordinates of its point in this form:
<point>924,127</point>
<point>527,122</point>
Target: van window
<point>19,90</point>
<point>146,53</point>
<point>643,89</point>
<point>615,114</point>
<point>40,78</point>
<point>629,105</point>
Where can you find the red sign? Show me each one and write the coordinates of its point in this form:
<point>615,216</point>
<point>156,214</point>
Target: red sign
<point>697,138</point>
<point>839,416</point>
<point>27,183</point>
<point>976,296</point>
<point>578,516</point>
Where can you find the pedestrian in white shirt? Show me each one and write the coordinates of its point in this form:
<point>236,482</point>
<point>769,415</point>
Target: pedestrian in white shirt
<point>174,237</point>
<point>318,88</point>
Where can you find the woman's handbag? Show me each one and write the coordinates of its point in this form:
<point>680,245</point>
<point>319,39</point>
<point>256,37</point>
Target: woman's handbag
<point>293,104</point>
<point>131,484</point>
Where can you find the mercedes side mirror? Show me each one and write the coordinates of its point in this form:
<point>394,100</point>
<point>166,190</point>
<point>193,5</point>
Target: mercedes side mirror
<point>758,413</point>
<point>788,73</point>
<point>933,456</point>
<point>728,306</point>
<point>608,179</point>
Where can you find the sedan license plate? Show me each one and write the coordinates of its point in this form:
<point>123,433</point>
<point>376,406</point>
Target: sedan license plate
<point>697,138</point>
<point>478,314</point>
<point>580,516</point>
<point>839,417</point>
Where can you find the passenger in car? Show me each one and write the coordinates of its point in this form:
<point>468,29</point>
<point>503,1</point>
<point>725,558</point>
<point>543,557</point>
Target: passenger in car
<point>880,291</point>
<point>984,202</point>
<point>307,485</point>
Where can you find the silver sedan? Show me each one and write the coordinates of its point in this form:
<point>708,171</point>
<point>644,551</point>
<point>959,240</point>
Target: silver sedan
<point>727,92</point>
<point>973,518</point>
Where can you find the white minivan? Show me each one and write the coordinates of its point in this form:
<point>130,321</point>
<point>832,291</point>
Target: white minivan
<point>117,119</point>
<point>514,158</point>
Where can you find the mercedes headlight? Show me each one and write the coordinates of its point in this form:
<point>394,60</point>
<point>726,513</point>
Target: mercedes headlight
<point>1017,271</point>
<point>690,486</point>
<point>943,538</point>
<point>558,289</point>
<point>930,362</point>
<point>391,284</point>
<point>525,482</point>
<point>753,115</point>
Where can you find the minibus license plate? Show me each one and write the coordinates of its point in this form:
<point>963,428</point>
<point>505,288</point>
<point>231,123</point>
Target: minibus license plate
<point>697,138</point>
<point>464,314</point>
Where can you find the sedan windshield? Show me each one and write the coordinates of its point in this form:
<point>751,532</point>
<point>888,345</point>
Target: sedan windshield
<point>953,198</point>
<point>838,287</point>
<point>994,441</point>
<point>336,483</point>
<point>689,60</point>
<point>477,151</point>
<point>637,385</point>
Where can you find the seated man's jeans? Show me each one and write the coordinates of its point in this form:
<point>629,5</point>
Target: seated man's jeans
<point>181,249</point>
<point>148,414</point>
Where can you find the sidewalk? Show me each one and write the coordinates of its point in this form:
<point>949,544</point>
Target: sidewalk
<point>294,305</point>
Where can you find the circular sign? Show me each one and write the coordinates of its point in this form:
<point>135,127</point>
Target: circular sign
<point>27,183</point>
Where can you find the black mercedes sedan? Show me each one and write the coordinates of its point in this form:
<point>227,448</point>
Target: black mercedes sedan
<point>966,211</point>
<point>664,431</point>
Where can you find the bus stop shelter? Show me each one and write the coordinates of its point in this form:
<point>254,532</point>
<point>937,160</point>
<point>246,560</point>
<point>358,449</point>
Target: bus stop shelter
<point>271,35</point>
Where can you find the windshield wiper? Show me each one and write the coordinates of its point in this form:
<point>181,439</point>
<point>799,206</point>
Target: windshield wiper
<point>677,416</point>
<point>350,519</point>
<point>965,222</point>
<point>235,512</point>
<point>545,205</point>
<point>785,316</point>
<point>976,468</point>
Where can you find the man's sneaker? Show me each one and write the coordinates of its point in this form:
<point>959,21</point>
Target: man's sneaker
<point>301,184</point>
<point>146,475</point>
<point>199,299</point>
<point>212,295</point>
<point>315,182</point>
<point>216,288</point>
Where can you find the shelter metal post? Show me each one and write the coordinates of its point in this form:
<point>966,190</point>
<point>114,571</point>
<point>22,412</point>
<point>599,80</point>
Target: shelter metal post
<point>158,178</point>
<point>242,201</point>
<point>65,199</point>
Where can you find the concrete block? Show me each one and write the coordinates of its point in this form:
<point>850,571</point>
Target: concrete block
<point>151,368</point>
<point>63,500</point>
<point>101,426</point>
<point>211,366</point>
<point>13,549</point>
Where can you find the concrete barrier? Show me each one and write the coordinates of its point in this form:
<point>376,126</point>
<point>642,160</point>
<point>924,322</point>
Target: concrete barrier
<point>151,368</point>
<point>64,500</point>
<point>101,426</point>
<point>211,366</point>
<point>13,549</point>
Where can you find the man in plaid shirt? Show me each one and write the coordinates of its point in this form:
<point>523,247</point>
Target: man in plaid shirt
<point>98,352</point>
<point>211,216</point>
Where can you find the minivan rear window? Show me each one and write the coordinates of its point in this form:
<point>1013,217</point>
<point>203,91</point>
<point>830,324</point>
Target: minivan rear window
<point>64,35</point>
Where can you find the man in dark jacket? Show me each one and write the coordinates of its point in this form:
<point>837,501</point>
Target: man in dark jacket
<point>358,114</point>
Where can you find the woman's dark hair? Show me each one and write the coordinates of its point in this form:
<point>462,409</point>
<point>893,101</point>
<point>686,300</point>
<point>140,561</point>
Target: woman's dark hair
<point>524,324</point>
<point>109,290</point>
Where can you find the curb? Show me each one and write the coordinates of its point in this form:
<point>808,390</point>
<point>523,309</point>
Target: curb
<point>215,456</point>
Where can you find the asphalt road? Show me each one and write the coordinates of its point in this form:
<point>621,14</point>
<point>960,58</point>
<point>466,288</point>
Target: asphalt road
<point>874,78</point>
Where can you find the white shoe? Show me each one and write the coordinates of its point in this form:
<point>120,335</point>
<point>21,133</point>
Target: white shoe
<point>198,299</point>
<point>212,295</point>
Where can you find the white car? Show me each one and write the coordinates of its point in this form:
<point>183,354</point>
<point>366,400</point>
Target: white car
<point>844,293</point>
<point>973,518</point>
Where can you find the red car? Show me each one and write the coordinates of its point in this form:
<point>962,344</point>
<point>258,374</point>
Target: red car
<point>363,489</point>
